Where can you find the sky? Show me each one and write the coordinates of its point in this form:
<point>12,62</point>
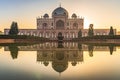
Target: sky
<point>101,13</point>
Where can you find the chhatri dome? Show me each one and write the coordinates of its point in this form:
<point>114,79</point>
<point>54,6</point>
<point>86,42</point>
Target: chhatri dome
<point>60,12</point>
<point>46,15</point>
<point>74,15</point>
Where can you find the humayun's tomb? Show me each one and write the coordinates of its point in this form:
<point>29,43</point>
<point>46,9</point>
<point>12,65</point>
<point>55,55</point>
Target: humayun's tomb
<point>60,23</point>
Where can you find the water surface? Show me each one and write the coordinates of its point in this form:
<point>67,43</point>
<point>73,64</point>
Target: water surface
<point>60,61</point>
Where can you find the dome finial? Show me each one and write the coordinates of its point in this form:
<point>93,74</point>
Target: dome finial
<point>60,5</point>
<point>59,76</point>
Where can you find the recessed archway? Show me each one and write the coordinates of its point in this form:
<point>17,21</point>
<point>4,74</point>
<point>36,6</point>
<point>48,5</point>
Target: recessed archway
<point>60,36</point>
<point>60,24</point>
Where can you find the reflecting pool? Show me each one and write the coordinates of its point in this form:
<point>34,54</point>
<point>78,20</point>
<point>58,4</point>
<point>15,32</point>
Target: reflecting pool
<point>60,61</point>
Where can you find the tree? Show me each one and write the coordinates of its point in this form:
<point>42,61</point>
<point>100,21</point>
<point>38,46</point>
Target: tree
<point>79,46</point>
<point>91,31</point>
<point>13,29</point>
<point>13,50</point>
<point>90,49</point>
<point>111,47</point>
<point>80,34</point>
<point>111,33</point>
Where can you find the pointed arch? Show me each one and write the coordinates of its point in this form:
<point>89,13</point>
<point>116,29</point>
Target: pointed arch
<point>60,24</point>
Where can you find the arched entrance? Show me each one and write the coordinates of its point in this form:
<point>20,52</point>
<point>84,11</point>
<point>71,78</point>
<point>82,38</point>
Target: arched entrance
<point>59,34</point>
<point>60,37</point>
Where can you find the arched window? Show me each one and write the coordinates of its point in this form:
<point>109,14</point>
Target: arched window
<point>51,24</point>
<point>60,24</point>
<point>104,33</point>
<point>98,33</point>
<point>75,25</point>
<point>40,34</point>
<point>45,54</point>
<point>68,24</point>
<point>67,35</point>
<point>47,35</point>
<point>60,56</point>
<point>85,34</point>
<point>28,33</point>
<point>34,34</point>
<point>73,35</point>
<point>44,24</point>
<point>53,35</point>
<point>21,33</point>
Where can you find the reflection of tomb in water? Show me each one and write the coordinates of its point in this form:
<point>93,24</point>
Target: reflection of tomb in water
<point>60,58</point>
<point>60,61</point>
<point>96,48</point>
<point>61,54</point>
<point>54,46</point>
<point>60,45</point>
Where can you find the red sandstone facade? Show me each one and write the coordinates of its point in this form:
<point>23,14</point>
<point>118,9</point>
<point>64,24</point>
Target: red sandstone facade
<point>60,23</point>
